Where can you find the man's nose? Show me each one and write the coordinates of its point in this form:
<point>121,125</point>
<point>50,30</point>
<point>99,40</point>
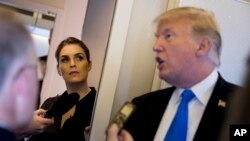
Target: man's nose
<point>157,46</point>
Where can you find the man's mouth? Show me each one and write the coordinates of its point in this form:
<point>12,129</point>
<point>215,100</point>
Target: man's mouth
<point>73,72</point>
<point>159,60</point>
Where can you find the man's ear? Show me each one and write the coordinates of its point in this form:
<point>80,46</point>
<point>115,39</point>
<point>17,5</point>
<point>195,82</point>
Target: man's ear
<point>58,70</point>
<point>20,89</point>
<point>204,47</point>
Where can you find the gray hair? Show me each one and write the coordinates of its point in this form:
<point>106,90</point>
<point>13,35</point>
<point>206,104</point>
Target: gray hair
<point>15,42</point>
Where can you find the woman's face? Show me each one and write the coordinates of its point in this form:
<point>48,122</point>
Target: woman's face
<point>73,65</point>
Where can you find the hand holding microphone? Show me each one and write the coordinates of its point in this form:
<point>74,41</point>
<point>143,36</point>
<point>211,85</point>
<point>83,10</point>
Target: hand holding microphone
<point>115,131</point>
<point>62,105</point>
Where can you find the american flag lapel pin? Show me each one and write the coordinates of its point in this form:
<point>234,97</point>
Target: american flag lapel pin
<point>221,103</point>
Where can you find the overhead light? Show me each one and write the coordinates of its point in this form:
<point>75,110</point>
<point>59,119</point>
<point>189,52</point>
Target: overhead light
<point>38,31</point>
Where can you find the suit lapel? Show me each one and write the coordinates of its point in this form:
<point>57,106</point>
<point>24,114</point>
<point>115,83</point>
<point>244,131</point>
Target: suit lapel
<point>214,113</point>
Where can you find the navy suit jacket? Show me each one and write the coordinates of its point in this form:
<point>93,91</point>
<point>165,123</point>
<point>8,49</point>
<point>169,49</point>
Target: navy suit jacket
<point>144,122</point>
<point>6,135</point>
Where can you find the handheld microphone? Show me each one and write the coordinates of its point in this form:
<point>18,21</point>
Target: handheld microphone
<point>62,105</point>
<point>123,115</point>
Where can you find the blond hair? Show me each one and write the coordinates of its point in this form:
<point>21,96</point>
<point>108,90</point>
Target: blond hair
<point>203,24</point>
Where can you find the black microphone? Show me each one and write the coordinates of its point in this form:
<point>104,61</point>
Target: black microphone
<point>63,104</point>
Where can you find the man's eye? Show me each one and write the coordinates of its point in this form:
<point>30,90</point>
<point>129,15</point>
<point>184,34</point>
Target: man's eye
<point>168,36</point>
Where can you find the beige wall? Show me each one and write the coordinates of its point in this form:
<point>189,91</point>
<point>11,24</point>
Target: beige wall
<point>138,62</point>
<point>95,34</point>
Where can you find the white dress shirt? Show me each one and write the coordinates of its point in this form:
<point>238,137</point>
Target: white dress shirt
<point>196,107</point>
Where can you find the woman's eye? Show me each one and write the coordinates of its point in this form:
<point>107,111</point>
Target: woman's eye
<point>79,58</point>
<point>64,60</point>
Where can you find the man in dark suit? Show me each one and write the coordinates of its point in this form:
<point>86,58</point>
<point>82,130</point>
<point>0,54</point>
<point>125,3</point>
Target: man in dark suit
<point>188,49</point>
<point>144,123</point>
